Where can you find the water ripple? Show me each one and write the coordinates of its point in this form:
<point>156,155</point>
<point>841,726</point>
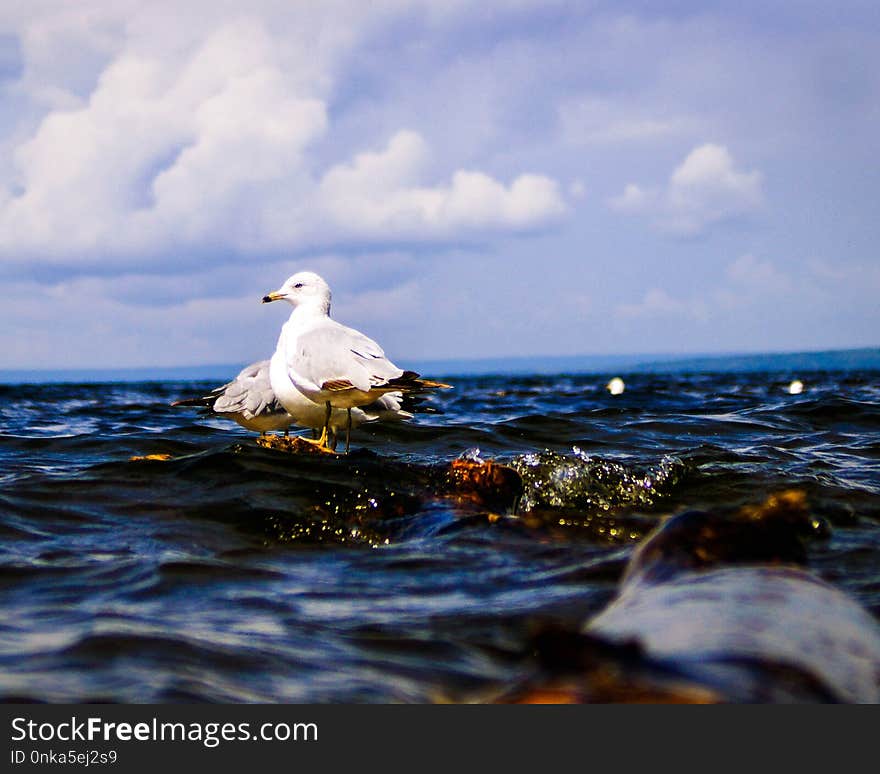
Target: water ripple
<point>235,573</point>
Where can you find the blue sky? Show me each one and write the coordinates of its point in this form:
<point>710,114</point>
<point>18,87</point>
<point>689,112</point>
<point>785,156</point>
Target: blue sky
<point>473,179</point>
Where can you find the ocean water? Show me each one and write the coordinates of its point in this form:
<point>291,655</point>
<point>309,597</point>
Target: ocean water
<point>234,573</point>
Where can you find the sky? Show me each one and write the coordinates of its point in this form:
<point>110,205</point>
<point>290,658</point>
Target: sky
<point>492,179</point>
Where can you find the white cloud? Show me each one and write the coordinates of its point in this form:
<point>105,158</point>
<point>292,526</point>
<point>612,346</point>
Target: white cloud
<point>808,283</point>
<point>748,282</point>
<point>705,189</point>
<point>658,303</point>
<point>379,194</point>
<point>633,200</point>
<point>758,289</point>
<point>577,189</point>
<point>62,330</point>
<point>757,275</point>
<point>204,139</point>
<point>865,277</point>
<point>592,120</point>
<point>386,306</point>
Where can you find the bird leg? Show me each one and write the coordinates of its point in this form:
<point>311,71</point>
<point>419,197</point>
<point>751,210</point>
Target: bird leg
<point>348,430</point>
<point>321,440</point>
<point>326,431</point>
<point>318,444</point>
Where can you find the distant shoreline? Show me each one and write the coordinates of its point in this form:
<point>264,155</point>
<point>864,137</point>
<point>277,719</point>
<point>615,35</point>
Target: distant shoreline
<point>784,363</point>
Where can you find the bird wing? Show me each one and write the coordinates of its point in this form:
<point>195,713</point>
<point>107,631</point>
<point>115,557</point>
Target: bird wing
<point>249,394</point>
<point>338,358</point>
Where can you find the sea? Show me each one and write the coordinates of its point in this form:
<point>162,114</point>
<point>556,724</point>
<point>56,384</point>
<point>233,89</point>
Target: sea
<point>149,553</point>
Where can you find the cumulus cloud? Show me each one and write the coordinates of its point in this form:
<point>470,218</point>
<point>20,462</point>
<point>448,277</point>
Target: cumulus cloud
<point>707,188</point>
<point>208,142</point>
<point>379,194</point>
<point>634,199</point>
<point>160,155</point>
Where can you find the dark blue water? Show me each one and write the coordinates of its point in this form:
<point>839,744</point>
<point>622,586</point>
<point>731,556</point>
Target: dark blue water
<point>236,573</point>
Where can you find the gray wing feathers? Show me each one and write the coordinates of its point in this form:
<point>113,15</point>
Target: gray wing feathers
<point>249,394</point>
<point>342,353</point>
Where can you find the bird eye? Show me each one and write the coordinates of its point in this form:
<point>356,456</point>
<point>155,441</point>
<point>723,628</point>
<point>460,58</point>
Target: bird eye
<point>298,285</point>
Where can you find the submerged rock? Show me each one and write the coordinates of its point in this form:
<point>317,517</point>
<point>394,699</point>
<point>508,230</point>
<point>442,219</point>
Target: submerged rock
<point>552,493</point>
<point>485,483</point>
<point>718,607</point>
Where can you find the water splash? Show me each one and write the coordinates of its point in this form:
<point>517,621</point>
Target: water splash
<point>553,480</point>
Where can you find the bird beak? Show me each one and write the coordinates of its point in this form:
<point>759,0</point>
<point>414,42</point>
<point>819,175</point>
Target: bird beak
<point>273,296</point>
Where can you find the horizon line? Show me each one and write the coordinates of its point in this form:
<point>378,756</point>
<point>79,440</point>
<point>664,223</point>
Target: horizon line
<point>483,366</point>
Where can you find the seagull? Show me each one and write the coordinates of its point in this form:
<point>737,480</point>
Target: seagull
<point>249,400</point>
<point>336,367</point>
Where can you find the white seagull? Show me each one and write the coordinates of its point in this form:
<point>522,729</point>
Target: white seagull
<point>326,362</point>
<point>249,400</point>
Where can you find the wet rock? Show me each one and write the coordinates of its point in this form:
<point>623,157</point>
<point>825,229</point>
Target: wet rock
<point>485,483</point>
<point>717,607</point>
